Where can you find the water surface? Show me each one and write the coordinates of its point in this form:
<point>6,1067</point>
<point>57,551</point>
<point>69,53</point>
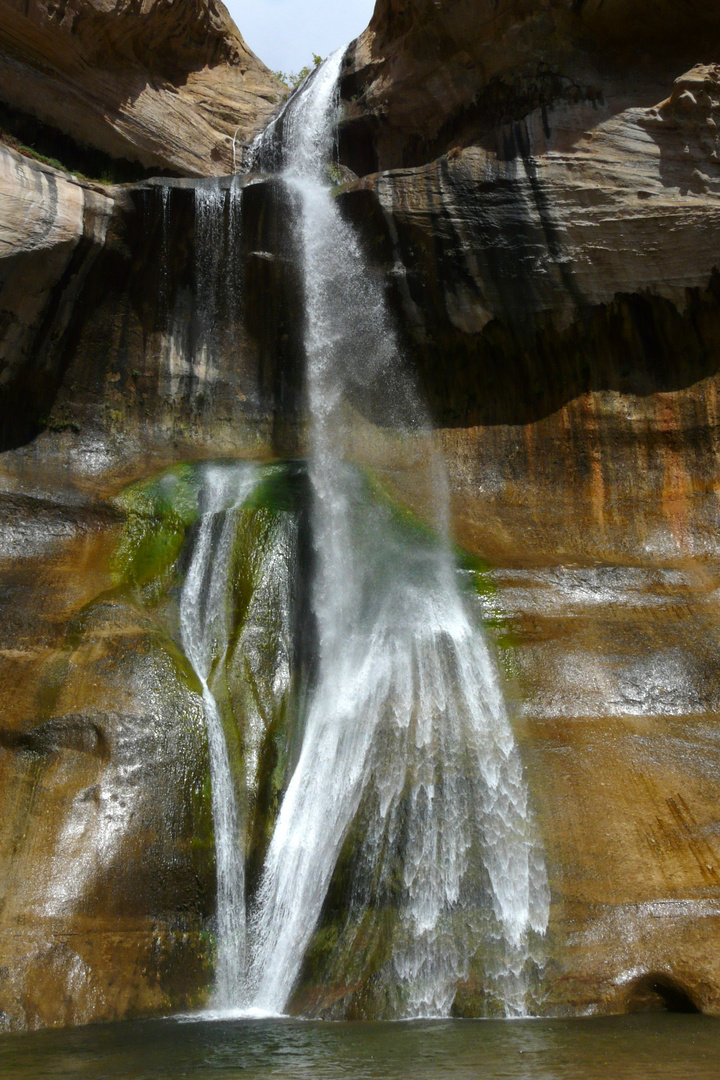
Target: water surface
<point>621,1048</point>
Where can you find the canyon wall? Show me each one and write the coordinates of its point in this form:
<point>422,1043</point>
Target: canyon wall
<point>167,84</point>
<point>547,214</point>
<point>542,200</point>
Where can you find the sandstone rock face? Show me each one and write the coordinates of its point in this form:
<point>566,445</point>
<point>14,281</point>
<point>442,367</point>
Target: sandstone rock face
<point>51,232</point>
<point>547,220</point>
<point>167,83</point>
<point>136,328</point>
<point>111,370</point>
<point>106,856</point>
<point>601,522</point>
<point>428,76</point>
<point>577,248</point>
<point>549,229</point>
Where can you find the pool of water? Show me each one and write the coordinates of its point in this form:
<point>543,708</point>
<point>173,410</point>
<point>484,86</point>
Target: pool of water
<point>658,1045</point>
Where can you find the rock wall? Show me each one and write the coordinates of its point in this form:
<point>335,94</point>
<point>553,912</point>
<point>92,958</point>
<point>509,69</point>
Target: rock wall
<point>154,321</point>
<point>52,230</point>
<point>166,83</point>
<point>428,76</point>
<point>549,224</point>
<point>111,371</point>
<point>546,218</point>
<point>106,855</point>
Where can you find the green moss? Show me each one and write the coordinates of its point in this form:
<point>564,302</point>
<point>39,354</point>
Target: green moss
<point>183,668</point>
<point>202,844</point>
<point>63,425</point>
<point>412,527</point>
<point>279,490</point>
<point>261,583</point>
<point>478,571</point>
<point>159,513</point>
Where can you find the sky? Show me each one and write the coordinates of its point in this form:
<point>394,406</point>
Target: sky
<point>285,33</point>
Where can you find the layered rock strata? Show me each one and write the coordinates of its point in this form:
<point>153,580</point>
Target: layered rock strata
<point>548,229</point>
<point>106,857</point>
<point>110,370</point>
<point>167,84</point>
<point>426,77</point>
<point>148,321</point>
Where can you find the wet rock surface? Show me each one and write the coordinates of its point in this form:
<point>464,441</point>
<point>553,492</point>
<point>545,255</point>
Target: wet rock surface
<point>106,849</point>
<point>156,320</point>
<point>547,223</point>
<point>548,234</point>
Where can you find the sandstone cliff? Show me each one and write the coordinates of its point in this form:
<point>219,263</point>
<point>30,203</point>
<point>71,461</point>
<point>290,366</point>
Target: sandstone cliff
<point>111,369</point>
<point>426,77</point>
<point>545,206</point>
<point>166,83</point>
<point>545,196</point>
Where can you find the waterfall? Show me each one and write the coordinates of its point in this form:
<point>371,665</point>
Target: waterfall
<point>404,791</point>
<point>217,265</point>
<point>406,729</point>
<point>205,630</point>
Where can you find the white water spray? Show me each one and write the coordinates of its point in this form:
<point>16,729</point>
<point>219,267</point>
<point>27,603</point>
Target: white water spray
<point>406,726</point>
<point>205,630</point>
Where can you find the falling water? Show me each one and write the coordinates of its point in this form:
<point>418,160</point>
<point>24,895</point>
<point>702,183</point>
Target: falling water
<point>164,248</point>
<point>217,268</point>
<point>209,236</point>
<point>205,631</point>
<point>406,730</point>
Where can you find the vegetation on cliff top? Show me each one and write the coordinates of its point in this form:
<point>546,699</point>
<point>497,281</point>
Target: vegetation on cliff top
<point>294,78</point>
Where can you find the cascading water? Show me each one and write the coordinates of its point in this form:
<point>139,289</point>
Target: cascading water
<point>406,729</point>
<point>204,626</point>
<point>406,781</point>
<point>217,264</point>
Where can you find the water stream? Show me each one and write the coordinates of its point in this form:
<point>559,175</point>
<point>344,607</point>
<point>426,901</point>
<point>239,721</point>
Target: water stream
<point>205,632</point>
<point>217,266</point>
<point>406,744</point>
